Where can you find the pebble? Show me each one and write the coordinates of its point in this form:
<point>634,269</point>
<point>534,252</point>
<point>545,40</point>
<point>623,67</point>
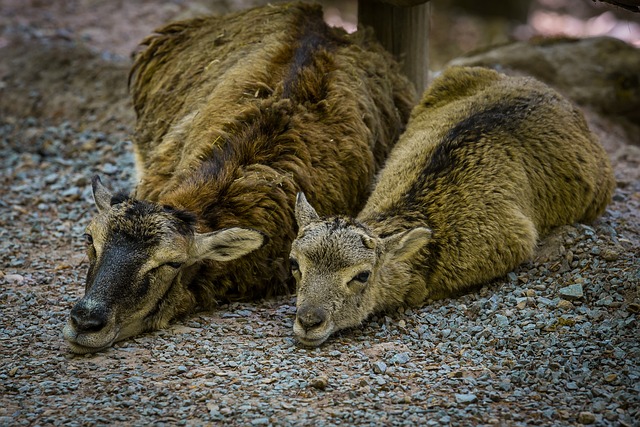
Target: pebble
<point>466,398</point>
<point>400,358</point>
<point>502,320</point>
<point>15,278</point>
<point>379,367</point>
<point>565,305</point>
<point>586,418</point>
<point>571,292</point>
<point>320,382</point>
<point>606,301</point>
<point>545,301</point>
<point>609,254</point>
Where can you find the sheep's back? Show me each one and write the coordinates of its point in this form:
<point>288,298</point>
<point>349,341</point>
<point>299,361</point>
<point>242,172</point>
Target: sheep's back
<point>489,162</point>
<point>197,81</point>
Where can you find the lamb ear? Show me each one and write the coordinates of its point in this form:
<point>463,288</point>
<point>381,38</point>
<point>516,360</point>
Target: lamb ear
<point>101,195</point>
<point>227,244</point>
<point>304,211</point>
<point>401,246</point>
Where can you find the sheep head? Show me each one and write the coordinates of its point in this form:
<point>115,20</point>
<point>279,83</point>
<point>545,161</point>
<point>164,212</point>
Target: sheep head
<point>139,252</point>
<point>340,267</point>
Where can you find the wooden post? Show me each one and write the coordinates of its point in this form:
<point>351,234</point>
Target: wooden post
<point>402,26</point>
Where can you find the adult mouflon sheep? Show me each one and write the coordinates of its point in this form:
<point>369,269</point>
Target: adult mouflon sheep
<point>236,114</point>
<point>488,163</point>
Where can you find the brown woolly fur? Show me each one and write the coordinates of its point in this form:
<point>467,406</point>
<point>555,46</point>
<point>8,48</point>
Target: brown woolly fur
<point>236,114</point>
<point>488,163</point>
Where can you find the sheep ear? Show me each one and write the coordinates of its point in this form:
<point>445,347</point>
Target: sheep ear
<point>101,195</point>
<point>304,211</point>
<point>402,246</point>
<point>227,244</point>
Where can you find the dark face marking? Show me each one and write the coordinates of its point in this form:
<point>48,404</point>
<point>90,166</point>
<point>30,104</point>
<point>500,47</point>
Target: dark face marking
<point>114,272</point>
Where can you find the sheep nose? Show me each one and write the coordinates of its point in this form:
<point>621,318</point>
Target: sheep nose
<point>311,317</point>
<point>85,319</point>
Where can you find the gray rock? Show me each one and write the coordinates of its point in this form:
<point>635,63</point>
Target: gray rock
<point>320,382</point>
<point>400,358</point>
<point>379,367</point>
<point>586,418</point>
<point>466,398</point>
<point>501,320</point>
<point>571,292</point>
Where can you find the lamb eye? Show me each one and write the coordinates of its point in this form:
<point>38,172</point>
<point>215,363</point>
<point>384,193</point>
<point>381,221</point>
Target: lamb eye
<point>176,264</point>
<point>362,277</point>
<point>88,239</point>
<point>294,264</point>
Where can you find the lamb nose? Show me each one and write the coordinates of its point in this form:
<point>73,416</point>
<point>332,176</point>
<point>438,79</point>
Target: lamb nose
<point>311,318</point>
<point>87,321</point>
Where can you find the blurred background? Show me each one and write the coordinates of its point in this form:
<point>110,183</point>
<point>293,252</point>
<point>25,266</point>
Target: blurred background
<point>457,26</point>
<point>68,59</point>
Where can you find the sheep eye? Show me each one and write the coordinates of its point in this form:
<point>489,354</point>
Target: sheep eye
<point>175,264</point>
<point>88,239</point>
<point>294,264</point>
<point>362,277</point>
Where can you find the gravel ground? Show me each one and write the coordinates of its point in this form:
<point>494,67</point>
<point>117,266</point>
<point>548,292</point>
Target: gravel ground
<point>556,342</point>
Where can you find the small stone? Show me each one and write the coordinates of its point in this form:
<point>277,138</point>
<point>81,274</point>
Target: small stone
<point>502,320</point>
<point>572,292</point>
<point>544,301</point>
<point>595,250</point>
<point>466,398</point>
<point>109,168</point>
<point>610,416</point>
<point>530,293</point>
<point>610,378</point>
<point>400,358</point>
<point>182,369</point>
<point>15,278</point>
<point>521,303</point>
<point>404,399</point>
<point>512,276</point>
<point>606,301</point>
<point>402,324</point>
<point>505,386</point>
<point>288,406</point>
<point>320,382</point>
<point>609,254</point>
<point>586,418</point>
<point>260,421</point>
<point>565,305</point>
<point>379,367</point>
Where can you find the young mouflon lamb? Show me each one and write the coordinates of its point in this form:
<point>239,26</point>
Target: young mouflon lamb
<point>487,165</point>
